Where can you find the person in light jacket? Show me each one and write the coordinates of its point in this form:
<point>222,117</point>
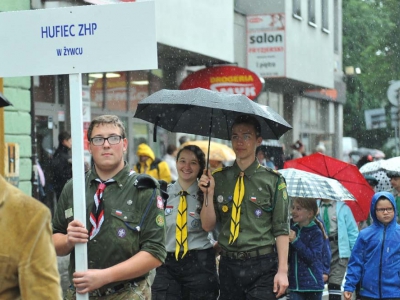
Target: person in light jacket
<point>375,259</point>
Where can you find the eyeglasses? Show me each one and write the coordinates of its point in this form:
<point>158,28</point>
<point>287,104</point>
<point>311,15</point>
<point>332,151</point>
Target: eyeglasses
<point>112,140</point>
<point>388,209</point>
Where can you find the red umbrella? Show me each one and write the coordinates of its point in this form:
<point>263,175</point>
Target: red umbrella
<point>347,174</point>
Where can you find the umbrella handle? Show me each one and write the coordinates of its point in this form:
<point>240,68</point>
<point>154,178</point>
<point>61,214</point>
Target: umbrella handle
<point>155,129</point>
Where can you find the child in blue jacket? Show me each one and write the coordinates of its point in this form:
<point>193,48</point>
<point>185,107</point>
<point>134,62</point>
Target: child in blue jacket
<point>307,238</point>
<point>375,259</point>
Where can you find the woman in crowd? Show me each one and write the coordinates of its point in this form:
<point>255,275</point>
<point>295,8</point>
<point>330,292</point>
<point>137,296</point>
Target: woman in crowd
<point>189,271</point>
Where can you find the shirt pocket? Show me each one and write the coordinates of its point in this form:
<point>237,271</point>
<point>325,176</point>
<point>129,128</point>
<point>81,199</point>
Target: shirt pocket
<point>130,219</point>
<point>261,199</point>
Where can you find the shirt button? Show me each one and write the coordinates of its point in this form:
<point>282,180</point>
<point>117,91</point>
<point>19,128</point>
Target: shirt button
<point>125,217</point>
<point>94,241</point>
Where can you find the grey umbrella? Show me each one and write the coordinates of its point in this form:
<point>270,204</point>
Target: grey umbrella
<point>303,184</point>
<point>207,113</point>
<point>4,101</point>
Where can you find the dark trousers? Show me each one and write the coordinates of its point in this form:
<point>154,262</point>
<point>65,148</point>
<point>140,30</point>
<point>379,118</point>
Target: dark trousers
<point>252,278</point>
<point>194,277</point>
<point>305,295</point>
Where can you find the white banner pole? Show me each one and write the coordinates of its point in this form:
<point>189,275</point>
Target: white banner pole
<point>76,108</point>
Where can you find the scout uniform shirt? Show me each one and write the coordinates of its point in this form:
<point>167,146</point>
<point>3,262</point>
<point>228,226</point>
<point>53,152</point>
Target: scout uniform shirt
<point>264,209</point>
<point>197,237</point>
<point>124,207</point>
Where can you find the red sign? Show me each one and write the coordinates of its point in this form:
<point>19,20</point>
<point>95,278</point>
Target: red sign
<point>226,79</point>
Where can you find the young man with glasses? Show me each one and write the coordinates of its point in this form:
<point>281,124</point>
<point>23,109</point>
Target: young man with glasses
<point>374,261</point>
<point>124,232</point>
<point>251,205</point>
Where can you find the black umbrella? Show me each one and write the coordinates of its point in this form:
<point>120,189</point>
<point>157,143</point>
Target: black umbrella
<point>207,113</point>
<point>4,101</point>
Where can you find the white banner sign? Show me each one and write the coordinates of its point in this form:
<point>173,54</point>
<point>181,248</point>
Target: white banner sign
<point>80,39</point>
<point>266,45</point>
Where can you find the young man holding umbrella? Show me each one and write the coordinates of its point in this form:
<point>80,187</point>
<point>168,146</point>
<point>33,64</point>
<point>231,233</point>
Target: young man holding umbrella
<point>251,205</point>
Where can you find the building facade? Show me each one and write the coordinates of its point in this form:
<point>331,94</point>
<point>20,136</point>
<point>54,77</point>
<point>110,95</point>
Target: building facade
<point>295,46</point>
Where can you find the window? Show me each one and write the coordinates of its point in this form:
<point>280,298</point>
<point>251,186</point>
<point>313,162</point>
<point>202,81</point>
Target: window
<point>325,20</point>
<point>336,26</point>
<point>296,9</point>
<point>311,13</point>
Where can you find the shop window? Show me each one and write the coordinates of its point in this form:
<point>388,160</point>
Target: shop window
<point>121,91</point>
<point>43,89</point>
<point>296,9</point>
<point>325,19</point>
<point>311,13</point>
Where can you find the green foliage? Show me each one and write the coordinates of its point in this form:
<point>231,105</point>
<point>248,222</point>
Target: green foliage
<point>371,31</point>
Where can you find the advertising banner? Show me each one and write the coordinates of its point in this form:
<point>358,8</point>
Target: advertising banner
<point>266,45</point>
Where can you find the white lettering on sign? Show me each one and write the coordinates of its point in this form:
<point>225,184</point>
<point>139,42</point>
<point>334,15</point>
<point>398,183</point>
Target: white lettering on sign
<point>57,31</point>
<point>235,88</point>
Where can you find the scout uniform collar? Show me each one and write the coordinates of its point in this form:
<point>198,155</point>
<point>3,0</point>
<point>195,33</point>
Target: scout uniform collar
<point>249,171</point>
<point>176,188</point>
<point>120,178</point>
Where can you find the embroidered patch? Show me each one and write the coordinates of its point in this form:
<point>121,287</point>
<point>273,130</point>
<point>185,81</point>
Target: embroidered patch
<point>68,213</point>
<point>121,232</point>
<point>118,213</point>
<point>258,212</point>
<point>220,199</point>
<point>160,202</point>
<point>253,199</point>
<point>284,195</point>
<point>230,198</point>
<point>281,186</point>
<point>225,208</point>
<point>192,214</point>
<point>195,223</point>
<point>160,220</point>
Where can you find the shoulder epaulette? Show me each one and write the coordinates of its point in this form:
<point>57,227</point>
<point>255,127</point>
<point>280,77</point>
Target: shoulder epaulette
<point>220,169</point>
<point>273,171</point>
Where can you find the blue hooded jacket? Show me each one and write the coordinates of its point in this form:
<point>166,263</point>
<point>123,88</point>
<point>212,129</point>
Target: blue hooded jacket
<point>375,259</point>
<point>305,259</point>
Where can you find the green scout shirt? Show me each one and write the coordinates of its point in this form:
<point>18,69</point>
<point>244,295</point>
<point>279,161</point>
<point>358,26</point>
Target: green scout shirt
<point>264,209</point>
<point>124,207</point>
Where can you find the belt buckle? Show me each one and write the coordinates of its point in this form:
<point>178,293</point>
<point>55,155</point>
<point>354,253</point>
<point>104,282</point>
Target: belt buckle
<point>242,255</point>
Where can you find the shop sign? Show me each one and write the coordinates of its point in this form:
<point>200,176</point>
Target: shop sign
<point>79,39</point>
<point>266,45</point>
<point>226,79</point>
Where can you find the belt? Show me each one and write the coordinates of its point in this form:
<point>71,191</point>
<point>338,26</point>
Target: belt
<point>103,291</point>
<point>333,238</point>
<point>171,255</point>
<point>243,255</point>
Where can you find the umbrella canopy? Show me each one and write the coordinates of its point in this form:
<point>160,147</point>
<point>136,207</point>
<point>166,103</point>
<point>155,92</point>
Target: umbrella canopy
<point>372,167</point>
<point>347,174</point>
<point>302,184</point>
<point>392,164</point>
<point>207,113</point>
<point>218,151</point>
<point>383,181</point>
<point>4,101</point>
